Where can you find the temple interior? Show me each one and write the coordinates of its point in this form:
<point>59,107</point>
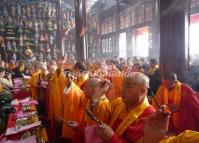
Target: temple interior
<point>99,71</point>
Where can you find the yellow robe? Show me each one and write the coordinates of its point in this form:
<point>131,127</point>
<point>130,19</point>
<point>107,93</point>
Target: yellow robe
<point>57,84</point>
<point>185,137</point>
<point>79,82</point>
<point>128,117</point>
<point>74,103</point>
<point>116,89</point>
<point>163,96</point>
<point>33,81</point>
<point>102,112</point>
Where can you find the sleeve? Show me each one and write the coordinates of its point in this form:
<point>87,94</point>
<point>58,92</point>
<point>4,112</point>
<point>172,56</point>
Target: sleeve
<point>79,134</point>
<point>193,103</point>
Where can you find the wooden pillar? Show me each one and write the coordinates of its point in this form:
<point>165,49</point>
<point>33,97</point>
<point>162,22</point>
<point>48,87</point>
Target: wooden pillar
<point>155,49</point>
<point>59,29</point>
<point>80,29</point>
<point>117,27</point>
<point>174,24</point>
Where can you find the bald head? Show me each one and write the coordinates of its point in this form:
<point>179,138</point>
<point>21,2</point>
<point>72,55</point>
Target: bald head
<point>137,78</point>
<point>135,87</point>
<point>90,84</point>
<point>93,82</point>
<point>52,68</point>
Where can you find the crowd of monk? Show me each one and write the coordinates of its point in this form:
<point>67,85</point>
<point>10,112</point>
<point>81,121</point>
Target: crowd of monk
<point>117,95</point>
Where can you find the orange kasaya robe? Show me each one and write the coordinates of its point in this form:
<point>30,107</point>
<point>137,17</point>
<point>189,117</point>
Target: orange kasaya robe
<point>74,103</point>
<point>57,84</point>
<point>129,125</point>
<point>33,82</point>
<point>169,98</point>
<point>116,78</point>
<point>102,111</point>
<point>80,80</point>
<point>183,104</point>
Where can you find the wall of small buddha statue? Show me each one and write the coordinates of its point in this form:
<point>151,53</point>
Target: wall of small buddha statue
<point>28,29</point>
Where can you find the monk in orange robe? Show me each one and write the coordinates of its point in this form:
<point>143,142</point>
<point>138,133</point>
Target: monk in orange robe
<point>128,113</point>
<point>81,73</point>
<point>57,83</point>
<point>181,101</point>
<point>116,78</point>
<point>156,129</point>
<point>77,100</point>
<point>33,82</point>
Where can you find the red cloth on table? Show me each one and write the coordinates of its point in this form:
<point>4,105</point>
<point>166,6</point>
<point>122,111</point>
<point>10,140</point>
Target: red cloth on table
<point>21,94</point>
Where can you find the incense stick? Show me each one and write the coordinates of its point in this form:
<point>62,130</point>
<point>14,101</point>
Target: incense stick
<point>92,116</point>
<point>156,101</point>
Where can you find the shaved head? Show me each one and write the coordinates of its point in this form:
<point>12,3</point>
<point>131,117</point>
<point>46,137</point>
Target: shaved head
<point>134,89</point>
<point>92,82</point>
<point>137,78</point>
<point>90,85</point>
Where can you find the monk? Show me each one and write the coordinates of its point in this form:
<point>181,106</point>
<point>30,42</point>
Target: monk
<point>57,84</point>
<point>94,90</point>
<point>81,73</point>
<point>156,128</point>
<point>129,112</point>
<point>52,69</point>
<point>91,96</point>
<point>41,90</point>
<point>116,78</point>
<point>33,81</point>
<point>181,101</point>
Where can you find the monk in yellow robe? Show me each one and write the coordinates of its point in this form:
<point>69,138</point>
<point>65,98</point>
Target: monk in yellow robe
<point>129,112</point>
<point>116,78</point>
<point>89,97</point>
<point>81,73</point>
<point>97,102</point>
<point>181,101</point>
<point>33,82</point>
<point>57,84</point>
<point>156,128</point>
